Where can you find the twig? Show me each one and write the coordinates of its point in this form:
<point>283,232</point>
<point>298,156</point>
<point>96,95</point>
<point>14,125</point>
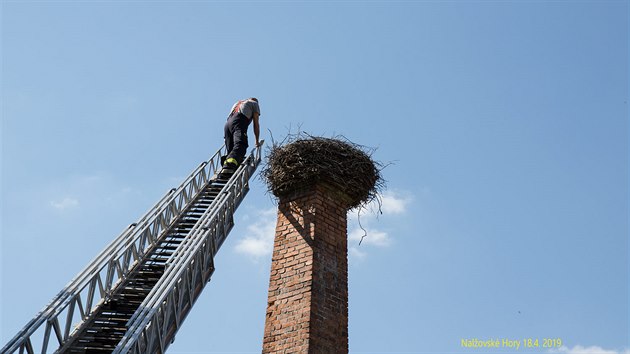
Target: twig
<point>361,226</point>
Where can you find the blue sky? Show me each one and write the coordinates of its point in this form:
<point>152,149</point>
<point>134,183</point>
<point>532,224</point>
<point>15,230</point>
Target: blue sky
<point>506,214</point>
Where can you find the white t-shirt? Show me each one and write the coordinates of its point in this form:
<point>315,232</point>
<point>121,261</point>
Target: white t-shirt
<point>246,108</point>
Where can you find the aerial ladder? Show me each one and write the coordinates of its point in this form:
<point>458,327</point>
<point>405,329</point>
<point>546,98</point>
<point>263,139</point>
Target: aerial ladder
<point>134,296</point>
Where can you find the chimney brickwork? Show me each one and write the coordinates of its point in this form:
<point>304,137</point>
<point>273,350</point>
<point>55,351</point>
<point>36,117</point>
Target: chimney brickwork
<point>307,308</point>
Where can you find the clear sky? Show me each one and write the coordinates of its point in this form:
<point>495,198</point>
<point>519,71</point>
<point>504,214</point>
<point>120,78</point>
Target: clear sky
<point>506,214</point>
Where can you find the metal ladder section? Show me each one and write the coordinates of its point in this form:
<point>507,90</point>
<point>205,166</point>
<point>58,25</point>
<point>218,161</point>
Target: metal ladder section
<point>134,296</point>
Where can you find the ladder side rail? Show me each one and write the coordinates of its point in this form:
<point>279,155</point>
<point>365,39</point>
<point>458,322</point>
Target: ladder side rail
<point>168,296</point>
<point>188,238</point>
<point>147,311</point>
<point>184,249</point>
<point>187,243</point>
<point>160,226</point>
<point>253,160</point>
<point>69,297</point>
<point>66,298</point>
<point>122,263</point>
<point>187,283</point>
<point>239,179</point>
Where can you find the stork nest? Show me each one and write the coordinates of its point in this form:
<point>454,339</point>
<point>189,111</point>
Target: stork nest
<point>305,160</point>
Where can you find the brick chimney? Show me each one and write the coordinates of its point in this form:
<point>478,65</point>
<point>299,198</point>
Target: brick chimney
<point>307,309</point>
<point>316,180</point>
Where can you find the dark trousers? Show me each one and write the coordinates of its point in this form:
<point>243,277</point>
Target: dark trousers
<point>236,137</point>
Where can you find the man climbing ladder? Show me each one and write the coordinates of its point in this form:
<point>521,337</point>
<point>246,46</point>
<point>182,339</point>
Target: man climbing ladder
<point>241,115</point>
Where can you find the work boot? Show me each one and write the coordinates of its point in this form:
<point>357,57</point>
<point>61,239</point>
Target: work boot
<point>229,167</point>
<point>230,163</point>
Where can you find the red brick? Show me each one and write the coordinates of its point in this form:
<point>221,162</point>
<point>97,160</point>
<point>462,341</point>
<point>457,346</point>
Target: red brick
<point>307,308</point>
